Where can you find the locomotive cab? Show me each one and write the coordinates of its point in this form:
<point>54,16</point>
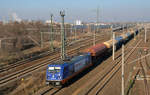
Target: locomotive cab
<point>54,75</point>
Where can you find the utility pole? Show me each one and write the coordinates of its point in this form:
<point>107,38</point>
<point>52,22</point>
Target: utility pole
<point>145,33</point>
<point>51,34</point>
<point>123,69</point>
<point>94,36</point>
<point>97,17</point>
<point>96,29</point>
<point>126,28</point>
<point>111,31</point>
<point>41,39</point>
<point>72,31</point>
<point>63,52</point>
<point>75,33</point>
<point>123,29</point>
<point>113,45</point>
<point>88,29</point>
<point>0,43</point>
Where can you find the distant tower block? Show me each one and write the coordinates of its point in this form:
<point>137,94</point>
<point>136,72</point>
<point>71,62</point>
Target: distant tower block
<point>78,22</point>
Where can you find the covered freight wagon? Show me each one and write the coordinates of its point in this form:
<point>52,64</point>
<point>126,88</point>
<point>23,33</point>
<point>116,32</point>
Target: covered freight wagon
<point>58,73</point>
<point>129,36</point>
<point>126,36</point>
<point>132,32</point>
<point>136,32</point>
<point>97,50</point>
<point>109,44</point>
<point>119,41</point>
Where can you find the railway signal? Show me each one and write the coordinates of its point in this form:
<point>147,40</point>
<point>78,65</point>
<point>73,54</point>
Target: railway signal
<point>146,50</point>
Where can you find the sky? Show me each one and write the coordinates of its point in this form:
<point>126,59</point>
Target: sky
<point>84,10</point>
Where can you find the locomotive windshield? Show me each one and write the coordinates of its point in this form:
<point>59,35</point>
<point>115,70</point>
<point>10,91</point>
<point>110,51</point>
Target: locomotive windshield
<point>54,69</point>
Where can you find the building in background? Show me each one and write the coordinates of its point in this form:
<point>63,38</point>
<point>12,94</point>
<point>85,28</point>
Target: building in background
<point>78,22</point>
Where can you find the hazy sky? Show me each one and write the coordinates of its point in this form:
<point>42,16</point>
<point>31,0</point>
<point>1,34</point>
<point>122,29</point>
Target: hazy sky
<point>85,10</point>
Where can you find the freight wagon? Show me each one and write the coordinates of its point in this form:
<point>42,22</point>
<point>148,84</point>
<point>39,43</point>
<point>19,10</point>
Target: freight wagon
<point>109,44</point>
<point>61,71</point>
<point>119,42</point>
<point>97,51</point>
<point>136,32</point>
<point>126,37</point>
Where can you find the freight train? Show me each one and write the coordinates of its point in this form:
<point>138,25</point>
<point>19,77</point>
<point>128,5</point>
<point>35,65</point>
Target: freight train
<point>61,71</point>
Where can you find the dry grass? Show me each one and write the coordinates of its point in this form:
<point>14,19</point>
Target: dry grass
<point>30,85</point>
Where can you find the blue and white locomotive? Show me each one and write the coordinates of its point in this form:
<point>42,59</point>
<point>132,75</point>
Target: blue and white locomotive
<point>58,73</point>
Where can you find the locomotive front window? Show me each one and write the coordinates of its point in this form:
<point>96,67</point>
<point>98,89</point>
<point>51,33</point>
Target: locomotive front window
<point>54,69</point>
<point>57,69</point>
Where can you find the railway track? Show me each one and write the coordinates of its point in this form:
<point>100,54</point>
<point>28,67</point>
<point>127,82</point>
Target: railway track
<point>47,53</point>
<point>41,65</point>
<point>51,90</point>
<point>103,80</point>
<point>148,67</point>
<point>107,77</point>
<point>144,61</point>
<point>76,93</point>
